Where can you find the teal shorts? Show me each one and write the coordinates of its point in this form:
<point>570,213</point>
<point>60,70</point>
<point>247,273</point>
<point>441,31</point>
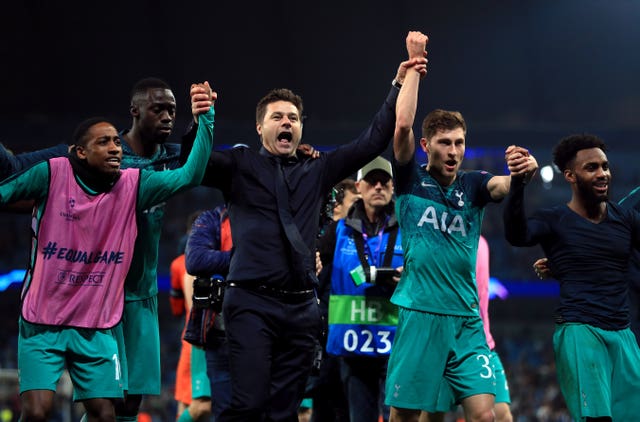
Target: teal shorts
<point>428,344</point>
<point>138,336</point>
<point>446,401</point>
<point>598,371</point>
<point>502,386</point>
<point>91,357</point>
<point>200,386</point>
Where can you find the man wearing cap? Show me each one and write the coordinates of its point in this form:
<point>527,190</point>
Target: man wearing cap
<point>363,254</point>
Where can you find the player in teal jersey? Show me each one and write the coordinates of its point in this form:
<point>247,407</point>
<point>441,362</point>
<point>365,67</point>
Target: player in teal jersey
<point>102,152</point>
<point>153,109</point>
<point>440,211</point>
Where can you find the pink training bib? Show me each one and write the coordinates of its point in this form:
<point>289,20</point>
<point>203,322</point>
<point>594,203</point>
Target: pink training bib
<point>84,248</point>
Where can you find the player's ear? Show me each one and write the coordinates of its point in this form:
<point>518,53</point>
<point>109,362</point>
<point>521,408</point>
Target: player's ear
<point>81,152</point>
<point>424,145</point>
<point>569,176</point>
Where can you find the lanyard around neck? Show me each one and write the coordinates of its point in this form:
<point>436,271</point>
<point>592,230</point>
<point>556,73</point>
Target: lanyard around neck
<point>360,237</point>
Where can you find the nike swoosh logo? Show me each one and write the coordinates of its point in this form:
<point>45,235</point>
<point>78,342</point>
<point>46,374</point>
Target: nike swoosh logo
<point>427,185</point>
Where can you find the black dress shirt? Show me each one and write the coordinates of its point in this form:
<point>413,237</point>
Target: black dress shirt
<point>262,252</point>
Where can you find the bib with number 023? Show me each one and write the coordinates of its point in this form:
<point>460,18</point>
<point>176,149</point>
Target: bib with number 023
<point>362,320</point>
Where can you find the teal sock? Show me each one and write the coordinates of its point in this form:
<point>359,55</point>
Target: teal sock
<point>185,417</point>
<point>127,418</point>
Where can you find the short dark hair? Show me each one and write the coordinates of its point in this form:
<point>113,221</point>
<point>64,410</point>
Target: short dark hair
<point>442,120</point>
<point>341,187</point>
<point>564,153</point>
<point>80,134</point>
<point>143,85</point>
<point>279,94</point>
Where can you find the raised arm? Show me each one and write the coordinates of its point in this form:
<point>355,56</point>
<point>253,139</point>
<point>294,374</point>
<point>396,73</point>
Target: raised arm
<point>158,186</point>
<point>373,141</point>
<point>522,165</point>
<point>30,184</point>
<point>515,222</point>
<point>11,164</point>
<point>403,139</point>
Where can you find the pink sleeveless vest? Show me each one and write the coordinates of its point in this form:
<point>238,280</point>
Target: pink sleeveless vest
<point>85,244</point>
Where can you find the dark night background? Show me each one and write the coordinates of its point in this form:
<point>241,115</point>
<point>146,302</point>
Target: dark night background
<point>530,70</point>
<point>526,72</point>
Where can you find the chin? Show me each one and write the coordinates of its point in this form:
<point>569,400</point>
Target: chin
<point>601,197</point>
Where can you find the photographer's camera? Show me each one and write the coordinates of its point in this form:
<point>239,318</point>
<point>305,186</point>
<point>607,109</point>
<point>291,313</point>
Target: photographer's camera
<point>208,292</point>
<point>383,275</point>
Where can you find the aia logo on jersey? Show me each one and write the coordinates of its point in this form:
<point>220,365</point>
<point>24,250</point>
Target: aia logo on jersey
<point>444,222</point>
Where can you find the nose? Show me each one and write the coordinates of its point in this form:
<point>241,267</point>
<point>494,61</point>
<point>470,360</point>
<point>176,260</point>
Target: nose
<point>378,185</point>
<point>167,116</point>
<point>114,147</point>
